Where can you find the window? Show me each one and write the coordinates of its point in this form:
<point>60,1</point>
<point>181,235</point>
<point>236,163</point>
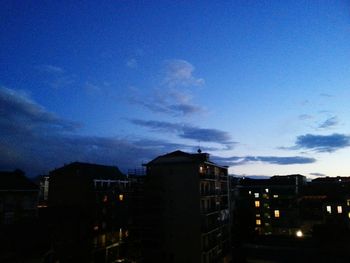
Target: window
<point>105,199</point>
<point>257,203</point>
<point>250,192</point>
<point>339,209</point>
<point>349,215</point>
<point>277,213</point>
<point>348,202</point>
<point>267,190</point>
<point>201,169</point>
<point>329,209</point>
<point>257,215</point>
<point>275,196</point>
<point>258,222</point>
<point>121,197</point>
<point>256,195</point>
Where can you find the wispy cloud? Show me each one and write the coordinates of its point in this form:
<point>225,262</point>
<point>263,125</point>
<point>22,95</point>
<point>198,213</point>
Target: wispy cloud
<point>305,117</point>
<point>328,123</point>
<point>55,77</point>
<point>322,143</point>
<point>179,72</point>
<point>173,95</point>
<point>187,131</point>
<point>51,69</point>
<point>236,160</point>
<point>131,63</point>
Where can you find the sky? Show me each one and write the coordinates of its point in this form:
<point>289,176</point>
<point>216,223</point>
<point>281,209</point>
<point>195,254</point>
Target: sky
<point>262,86</point>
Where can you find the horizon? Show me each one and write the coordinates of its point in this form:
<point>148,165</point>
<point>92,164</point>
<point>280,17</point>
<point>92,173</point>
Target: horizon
<point>262,87</point>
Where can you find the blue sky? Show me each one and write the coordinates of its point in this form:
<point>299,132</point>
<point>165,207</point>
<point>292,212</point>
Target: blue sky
<point>263,86</point>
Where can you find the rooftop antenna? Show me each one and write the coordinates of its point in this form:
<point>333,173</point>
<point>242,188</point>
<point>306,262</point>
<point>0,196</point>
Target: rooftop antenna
<point>199,147</point>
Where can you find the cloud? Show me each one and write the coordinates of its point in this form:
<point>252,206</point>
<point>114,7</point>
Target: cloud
<point>55,77</point>
<point>51,69</point>
<point>20,114</point>
<point>305,117</point>
<point>235,160</point>
<point>131,63</point>
<point>173,94</point>
<point>167,101</point>
<point>188,132</point>
<point>330,122</point>
<point>37,141</point>
<point>317,174</point>
<point>180,73</point>
<point>322,143</point>
<point>327,95</point>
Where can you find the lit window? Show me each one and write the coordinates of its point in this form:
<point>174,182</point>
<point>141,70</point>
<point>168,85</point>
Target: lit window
<point>277,213</point>
<point>105,198</point>
<point>121,197</point>
<point>348,202</point>
<point>275,196</point>
<point>339,209</point>
<point>258,222</point>
<point>256,195</point>
<point>349,215</point>
<point>329,209</point>
<point>250,192</point>
<point>257,203</point>
<point>267,190</point>
<point>201,169</point>
<point>257,215</point>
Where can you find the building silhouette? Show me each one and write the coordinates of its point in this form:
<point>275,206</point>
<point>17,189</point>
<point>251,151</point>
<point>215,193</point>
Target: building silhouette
<point>186,209</point>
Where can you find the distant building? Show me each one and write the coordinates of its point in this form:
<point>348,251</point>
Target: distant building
<point>186,209</point>
<point>18,198</point>
<point>270,206</point>
<point>89,210</point>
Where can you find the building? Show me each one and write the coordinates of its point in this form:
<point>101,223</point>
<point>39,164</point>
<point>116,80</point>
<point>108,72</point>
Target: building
<point>270,206</point>
<point>18,198</point>
<point>186,209</point>
<point>89,212</point>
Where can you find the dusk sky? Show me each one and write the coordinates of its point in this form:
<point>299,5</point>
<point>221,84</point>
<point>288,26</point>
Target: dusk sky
<point>263,86</point>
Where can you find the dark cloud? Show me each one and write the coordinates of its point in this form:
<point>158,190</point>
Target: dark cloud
<point>19,114</point>
<point>330,122</point>
<point>37,141</point>
<point>317,174</point>
<point>189,132</point>
<point>322,143</point>
<point>235,160</point>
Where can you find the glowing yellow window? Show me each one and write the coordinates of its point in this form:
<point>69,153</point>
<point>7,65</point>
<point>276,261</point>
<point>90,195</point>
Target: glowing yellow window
<point>349,215</point>
<point>339,209</point>
<point>121,197</point>
<point>329,209</point>
<point>257,203</point>
<point>201,169</point>
<point>258,222</point>
<point>277,213</point>
<point>348,202</point>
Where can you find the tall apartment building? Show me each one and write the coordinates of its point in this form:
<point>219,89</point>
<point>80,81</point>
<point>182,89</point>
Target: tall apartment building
<point>186,210</point>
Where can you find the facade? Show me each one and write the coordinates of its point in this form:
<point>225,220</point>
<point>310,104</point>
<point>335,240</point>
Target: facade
<point>88,207</point>
<point>270,206</point>
<point>186,209</point>
<point>18,198</point>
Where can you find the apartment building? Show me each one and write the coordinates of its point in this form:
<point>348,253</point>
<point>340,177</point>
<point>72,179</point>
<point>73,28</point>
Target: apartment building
<point>186,209</point>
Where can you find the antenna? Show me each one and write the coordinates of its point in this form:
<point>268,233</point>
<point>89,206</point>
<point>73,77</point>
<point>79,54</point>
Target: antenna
<point>199,147</point>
